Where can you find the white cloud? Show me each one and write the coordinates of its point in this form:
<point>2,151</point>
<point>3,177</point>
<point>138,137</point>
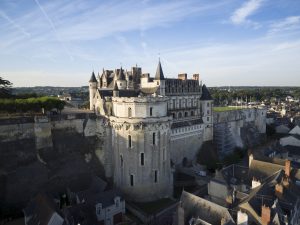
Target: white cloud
<point>287,24</point>
<point>247,9</point>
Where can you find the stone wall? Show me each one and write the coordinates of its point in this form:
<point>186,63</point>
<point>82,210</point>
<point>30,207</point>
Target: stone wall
<point>185,143</point>
<point>243,127</point>
<point>49,154</point>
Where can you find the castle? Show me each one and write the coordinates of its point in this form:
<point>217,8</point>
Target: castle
<point>154,124</point>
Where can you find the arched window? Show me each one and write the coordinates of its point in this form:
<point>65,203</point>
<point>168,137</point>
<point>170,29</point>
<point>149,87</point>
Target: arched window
<point>129,112</point>
<point>174,116</point>
<point>186,114</point>
<point>179,115</point>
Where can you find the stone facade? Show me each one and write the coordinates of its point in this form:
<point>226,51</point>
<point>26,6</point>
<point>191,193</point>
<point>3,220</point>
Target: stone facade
<point>155,123</point>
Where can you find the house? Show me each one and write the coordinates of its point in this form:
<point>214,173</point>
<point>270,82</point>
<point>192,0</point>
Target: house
<point>42,210</point>
<point>293,140</point>
<point>108,206</point>
<point>282,129</point>
<point>295,130</point>
<point>195,211</point>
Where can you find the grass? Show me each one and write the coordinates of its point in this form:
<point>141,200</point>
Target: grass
<point>153,207</point>
<point>226,108</point>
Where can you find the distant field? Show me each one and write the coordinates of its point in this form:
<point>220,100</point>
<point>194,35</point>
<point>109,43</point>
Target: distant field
<point>226,108</point>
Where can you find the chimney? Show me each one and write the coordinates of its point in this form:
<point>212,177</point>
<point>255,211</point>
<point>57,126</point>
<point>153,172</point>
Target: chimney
<point>278,190</point>
<point>250,159</point>
<point>265,215</point>
<point>242,218</point>
<point>223,221</point>
<point>182,76</point>
<point>180,214</point>
<point>255,183</point>
<point>287,168</point>
<point>196,76</point>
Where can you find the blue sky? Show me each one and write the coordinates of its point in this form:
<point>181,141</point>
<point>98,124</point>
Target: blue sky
<point>228,42</point>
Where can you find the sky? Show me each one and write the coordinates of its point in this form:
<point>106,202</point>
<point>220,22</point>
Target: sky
<point>228,42</point>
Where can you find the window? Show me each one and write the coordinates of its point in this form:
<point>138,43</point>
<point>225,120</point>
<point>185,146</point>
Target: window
<point>173,114</point>
<point>121,160</point>
<point>186,103</point>
<point>192,103</point>
<point>164,154</point>
<point>207,119</point>
<point>179,103</point>
<point>151,111</point>
<point>179,115</point>
<point>208,104</point>
<point>129,141</point>
<point>207,111</point>
<point>186,114</point>
<point>98,209</point>
<point>142,159</point>
<point>131,180</point>
<point>174,104</point>
<point>153,138</point>
<point>192,113</point>
<point>129,112</point>
<point>155,176</point>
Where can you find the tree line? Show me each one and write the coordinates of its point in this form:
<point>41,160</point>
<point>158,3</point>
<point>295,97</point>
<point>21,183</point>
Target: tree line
<point>30,102</point>
<point>226,97</point>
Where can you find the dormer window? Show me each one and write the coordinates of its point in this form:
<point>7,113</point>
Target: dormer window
<point>98,209</point>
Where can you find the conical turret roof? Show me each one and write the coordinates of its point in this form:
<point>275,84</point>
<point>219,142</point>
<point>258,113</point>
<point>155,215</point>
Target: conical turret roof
<point>121,75</point>
<point>205,94</point>
<point>93,78</point>
<point>159,72</point>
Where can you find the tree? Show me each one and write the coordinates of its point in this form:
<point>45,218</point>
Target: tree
<point>5,88</point>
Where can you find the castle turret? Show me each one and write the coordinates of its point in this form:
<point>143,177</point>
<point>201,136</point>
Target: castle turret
<point>92,90</point>
<point>207,113</point>
<point>160,79</point>
<point>121,80</point>
<point>141,131</point>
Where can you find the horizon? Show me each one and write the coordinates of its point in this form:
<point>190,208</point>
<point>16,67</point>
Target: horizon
<point>229,43</point>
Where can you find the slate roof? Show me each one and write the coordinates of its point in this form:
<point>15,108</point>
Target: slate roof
<point>40,210</point>
<point>197,207</point>
<point>93,78</point>
<point>205,94</point>
<point>260,169</point>
<point>159,75</point>
<point>121,75</point>
<point>82,214</point>
<point>106,198</point>
<point>265,195</point>
<point>122,93</point>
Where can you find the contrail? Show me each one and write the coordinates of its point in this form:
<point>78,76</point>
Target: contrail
<point>54,29</point>
<point>18,27</point>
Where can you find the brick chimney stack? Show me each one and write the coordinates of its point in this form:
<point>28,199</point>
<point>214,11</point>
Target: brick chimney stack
<point>287,168</point>
<point>278,190</point>
<point>265,215</point>
<point>196,76</point>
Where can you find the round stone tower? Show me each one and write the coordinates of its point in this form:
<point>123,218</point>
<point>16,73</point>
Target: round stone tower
<point>140,147</point>
<point>92,90</point>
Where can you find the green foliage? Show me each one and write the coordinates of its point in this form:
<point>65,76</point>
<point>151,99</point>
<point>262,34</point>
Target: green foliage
<point>30,104</point>
<point>234,157</point>
<point>5,88</point>
<point>224,97</point>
